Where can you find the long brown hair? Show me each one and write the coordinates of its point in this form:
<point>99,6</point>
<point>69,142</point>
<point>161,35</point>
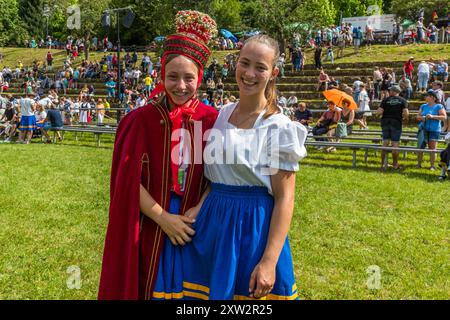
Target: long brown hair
<point>270,92</point>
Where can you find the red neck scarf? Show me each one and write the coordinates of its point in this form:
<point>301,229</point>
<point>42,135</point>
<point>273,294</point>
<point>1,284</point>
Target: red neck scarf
<point>178,115</point>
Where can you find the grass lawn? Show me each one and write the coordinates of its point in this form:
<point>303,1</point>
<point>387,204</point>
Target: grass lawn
<point>54,208</point>
<point>382,53</point>
<point>393,53</point>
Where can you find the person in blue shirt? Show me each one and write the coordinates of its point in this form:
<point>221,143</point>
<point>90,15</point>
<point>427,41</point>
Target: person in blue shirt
<point>430,116</point>
<point>357,36</point>
<point>111,85</point>
<point>76,76</point>
<point>205,99</point>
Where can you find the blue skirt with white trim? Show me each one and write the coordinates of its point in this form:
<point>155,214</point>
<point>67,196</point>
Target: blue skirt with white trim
<point>231,228</point>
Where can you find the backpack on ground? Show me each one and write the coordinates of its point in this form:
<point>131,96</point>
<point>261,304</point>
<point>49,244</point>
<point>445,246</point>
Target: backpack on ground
<point>341,130</point>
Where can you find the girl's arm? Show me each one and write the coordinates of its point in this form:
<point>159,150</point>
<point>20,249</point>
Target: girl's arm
<point>263,276</point>
<point>175,226</point>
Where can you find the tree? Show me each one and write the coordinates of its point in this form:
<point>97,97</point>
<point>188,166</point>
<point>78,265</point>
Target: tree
<point>12,29</point>
<point>273,16</point>
<point>31,13</point>
<point>411,9</point>
<point>156,18</point>
<point>227,14</point>
<point>355,8</point>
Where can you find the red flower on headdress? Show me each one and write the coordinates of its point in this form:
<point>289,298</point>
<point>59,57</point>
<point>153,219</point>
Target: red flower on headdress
<point>196,24</point>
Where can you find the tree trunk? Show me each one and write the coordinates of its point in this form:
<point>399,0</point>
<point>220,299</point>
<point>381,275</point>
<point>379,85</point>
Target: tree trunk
<point>87,44</point>
<point>281,40</point>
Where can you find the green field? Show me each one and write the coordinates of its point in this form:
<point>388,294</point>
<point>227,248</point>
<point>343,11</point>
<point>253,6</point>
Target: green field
<point>382,53</point>
<point>54,215</point>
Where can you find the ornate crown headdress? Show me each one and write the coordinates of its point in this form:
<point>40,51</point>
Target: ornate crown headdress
<point>194,30</point>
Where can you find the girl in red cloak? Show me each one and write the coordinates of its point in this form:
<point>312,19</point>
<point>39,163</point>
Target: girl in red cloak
<point>157,170</point>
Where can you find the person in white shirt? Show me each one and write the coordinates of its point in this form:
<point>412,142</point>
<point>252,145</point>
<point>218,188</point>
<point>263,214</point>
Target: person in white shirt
<point>363,107</point>
<point>85,110</point>
<point>244,216</point>
<point>136,75</point>
<point>423,75</point>
<point>27,120</point>
<point>76,110</point>
<point>357,88</point>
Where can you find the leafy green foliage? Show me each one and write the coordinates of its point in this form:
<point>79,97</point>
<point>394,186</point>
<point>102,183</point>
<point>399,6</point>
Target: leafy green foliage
<point>411,9</point>
<point>31,13</point>
<point>12,28</point>
<point>24,18</point>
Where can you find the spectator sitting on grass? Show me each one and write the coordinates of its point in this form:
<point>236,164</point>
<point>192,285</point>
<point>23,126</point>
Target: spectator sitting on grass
<point>441,70</point>
<point>323,81</point>
<point>333,83</point>
<point>56,122</point>
<point>6,121</point>
<point>111,87</point>
<point>348,116</point>
<point>406,86</point>
<point>41,116</point>
<point>327,124</point>
<point>303,115</point>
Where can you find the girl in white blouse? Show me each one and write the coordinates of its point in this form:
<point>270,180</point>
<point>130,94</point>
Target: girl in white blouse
<point>241,249</point>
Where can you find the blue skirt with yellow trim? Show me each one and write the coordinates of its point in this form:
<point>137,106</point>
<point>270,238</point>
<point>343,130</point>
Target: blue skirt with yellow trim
<point>231,235</point>
<point>27,123</point>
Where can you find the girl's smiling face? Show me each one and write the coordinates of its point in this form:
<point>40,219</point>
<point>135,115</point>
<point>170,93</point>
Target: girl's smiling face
<point>181,77</point>
<point>255,68</point>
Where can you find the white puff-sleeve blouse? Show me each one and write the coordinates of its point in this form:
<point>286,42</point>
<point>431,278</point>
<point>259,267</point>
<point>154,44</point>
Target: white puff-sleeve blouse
<point>248,157</point>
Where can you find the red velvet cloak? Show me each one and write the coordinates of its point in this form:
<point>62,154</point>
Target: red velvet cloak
<point>142,155</point>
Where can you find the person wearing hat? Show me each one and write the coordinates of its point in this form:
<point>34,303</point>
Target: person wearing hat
<point>156,177</point>
<point>393,111</point>
<point>430,116</point>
